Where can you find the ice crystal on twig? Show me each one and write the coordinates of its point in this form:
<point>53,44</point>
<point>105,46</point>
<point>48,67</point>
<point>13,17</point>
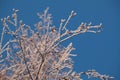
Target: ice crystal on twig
<point>38,54</point>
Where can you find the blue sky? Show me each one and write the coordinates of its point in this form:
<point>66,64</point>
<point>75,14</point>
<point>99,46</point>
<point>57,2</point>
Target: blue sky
<point>99,51</point>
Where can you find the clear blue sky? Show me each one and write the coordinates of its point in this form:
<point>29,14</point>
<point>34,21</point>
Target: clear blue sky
<point>95,51</point>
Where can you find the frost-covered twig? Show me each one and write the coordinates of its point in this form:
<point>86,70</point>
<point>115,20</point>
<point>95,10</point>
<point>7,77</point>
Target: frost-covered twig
<point>95,74</point>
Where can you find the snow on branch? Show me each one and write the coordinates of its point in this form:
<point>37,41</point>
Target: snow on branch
<point>37,53</point>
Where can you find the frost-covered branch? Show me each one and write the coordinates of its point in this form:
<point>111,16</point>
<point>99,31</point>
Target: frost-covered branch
<point>37,53</point>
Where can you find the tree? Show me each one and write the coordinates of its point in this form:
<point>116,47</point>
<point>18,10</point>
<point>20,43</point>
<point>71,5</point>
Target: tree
<point>37,53</point>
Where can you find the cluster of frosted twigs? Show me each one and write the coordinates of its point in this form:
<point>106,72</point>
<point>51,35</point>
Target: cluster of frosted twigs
<point>36,53</point>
